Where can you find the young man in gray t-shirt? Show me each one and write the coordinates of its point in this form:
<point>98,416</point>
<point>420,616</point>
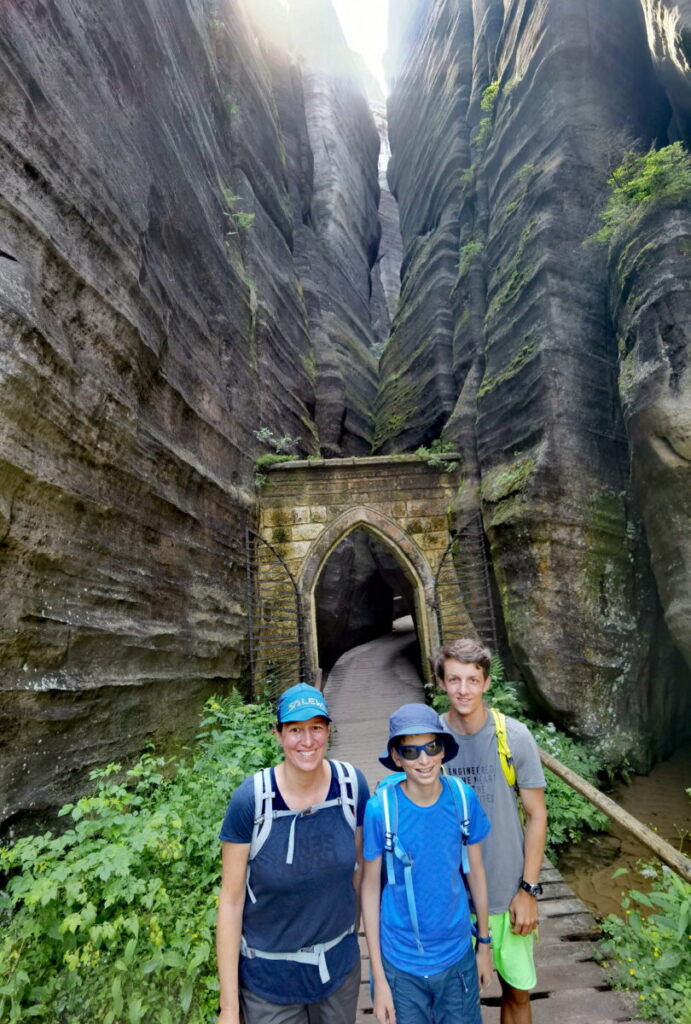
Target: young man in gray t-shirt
<point>512,857</point>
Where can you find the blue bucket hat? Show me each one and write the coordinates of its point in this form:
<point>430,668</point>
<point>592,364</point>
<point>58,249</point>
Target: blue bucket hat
<point>415,720</point>
<point>300,703</point>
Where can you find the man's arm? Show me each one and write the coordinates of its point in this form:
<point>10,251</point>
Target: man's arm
<point>523,908</point>
<point>371,897</point>
<point>477,883</point>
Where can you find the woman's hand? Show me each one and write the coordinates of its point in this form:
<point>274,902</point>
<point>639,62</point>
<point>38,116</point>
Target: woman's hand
<point>383,1003</point>
<point>228,1017</point>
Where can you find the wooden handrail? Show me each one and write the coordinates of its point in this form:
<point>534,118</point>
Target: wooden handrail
<point>662,849</point>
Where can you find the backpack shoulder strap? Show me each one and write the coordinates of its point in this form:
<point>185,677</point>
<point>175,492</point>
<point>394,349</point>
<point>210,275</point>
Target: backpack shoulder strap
<point>263,807</point>
<point>263,818</point>
<point>389,803</point>
<point>458,792</point>
<point>348,783</point>
<point>393,849</point>
<point>503,748</point>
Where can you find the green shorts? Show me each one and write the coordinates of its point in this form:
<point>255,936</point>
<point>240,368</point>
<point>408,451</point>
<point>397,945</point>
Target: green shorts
<point>513,954</point>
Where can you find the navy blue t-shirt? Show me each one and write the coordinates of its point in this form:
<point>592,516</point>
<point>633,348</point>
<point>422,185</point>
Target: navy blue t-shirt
<point>309,901</point>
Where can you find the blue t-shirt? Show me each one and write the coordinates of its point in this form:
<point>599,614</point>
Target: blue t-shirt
<point>309,901</point>
<point>431,837</point>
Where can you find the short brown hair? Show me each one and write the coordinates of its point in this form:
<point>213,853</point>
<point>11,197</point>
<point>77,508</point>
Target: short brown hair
<point>470,652</point>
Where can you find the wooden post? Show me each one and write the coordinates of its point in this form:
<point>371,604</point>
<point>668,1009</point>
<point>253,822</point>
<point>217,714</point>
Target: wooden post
<point>673,858</point>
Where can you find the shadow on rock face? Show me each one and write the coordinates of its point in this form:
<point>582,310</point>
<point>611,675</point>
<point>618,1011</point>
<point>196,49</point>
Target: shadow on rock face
<point>661,461</point>
<point>651,304</point>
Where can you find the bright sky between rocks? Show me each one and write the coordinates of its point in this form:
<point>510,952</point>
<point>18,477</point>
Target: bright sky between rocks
<point>364,24</point>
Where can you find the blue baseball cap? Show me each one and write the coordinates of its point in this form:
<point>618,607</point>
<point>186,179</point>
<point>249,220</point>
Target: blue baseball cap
<point>416,720</point>
<point>300,703</point>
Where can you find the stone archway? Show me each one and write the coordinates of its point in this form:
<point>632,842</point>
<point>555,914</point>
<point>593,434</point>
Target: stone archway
<point>407,553</point>
<point>308,507</point>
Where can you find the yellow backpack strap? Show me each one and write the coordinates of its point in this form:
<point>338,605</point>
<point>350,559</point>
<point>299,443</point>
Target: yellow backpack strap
<point>503,748</point>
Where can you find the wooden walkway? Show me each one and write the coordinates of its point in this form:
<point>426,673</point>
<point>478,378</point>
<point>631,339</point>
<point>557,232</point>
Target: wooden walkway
<point>362,690</point>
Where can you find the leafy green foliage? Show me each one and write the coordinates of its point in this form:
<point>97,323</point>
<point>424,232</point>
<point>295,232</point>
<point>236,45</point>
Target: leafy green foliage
<point>238,219</point>
<point>436,455</point>
<point>490,96</point>
<point>112,921</point>
<point>468,255</point>
<point>467,177</point>
<point>487,104</point>
<point>281,445</point>
<point>648,950</point>
<point>570,815</point>
<point>272,459</point>
<point>640,180</point>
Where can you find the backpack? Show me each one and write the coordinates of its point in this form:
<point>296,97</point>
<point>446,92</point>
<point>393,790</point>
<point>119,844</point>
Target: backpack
<point>264,816</point>
<point>393,849</point>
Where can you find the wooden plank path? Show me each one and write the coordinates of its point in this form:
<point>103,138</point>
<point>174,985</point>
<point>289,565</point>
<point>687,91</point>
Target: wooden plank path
<point>364,687</point>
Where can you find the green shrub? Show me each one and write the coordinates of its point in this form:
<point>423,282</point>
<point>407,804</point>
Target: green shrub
<point>113,920</point>
<point>468,255</point>
<point>238,219</point>
<point>648,949</point>
<point>281,445</point>
<point>436,455</point>
<point>660,174</point>
<point>569,815</point>
<point>488,104</point>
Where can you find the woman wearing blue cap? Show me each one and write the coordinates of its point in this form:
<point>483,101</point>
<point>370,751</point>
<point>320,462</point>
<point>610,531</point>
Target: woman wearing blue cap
<point>291,846</point>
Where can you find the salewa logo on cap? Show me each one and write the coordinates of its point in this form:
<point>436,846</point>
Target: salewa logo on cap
<point>305,702</point>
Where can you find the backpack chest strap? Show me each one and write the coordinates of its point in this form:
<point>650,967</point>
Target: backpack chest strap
<point>315,955</point>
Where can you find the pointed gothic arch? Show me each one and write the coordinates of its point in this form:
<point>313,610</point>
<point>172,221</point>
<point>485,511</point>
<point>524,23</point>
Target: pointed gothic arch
<point>405,550</point>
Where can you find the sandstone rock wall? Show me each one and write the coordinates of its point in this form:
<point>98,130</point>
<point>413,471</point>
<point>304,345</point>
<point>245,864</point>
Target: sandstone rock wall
<point>188,217</point>
<point>505,122</point>
<point>650,275</point>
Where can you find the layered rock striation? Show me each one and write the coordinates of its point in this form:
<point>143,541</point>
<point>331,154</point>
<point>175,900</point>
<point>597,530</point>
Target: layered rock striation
<point>188,218</point>
<point>506,120</point>
<point>650,275</point>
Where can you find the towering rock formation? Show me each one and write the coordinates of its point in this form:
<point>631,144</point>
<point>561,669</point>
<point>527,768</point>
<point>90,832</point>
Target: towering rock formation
<point>188,219</point>
<point>506,120</point>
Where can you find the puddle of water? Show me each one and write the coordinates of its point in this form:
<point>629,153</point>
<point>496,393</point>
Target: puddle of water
<point>659,801</point>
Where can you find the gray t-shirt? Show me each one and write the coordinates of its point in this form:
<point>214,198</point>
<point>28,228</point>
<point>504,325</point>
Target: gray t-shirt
<point>477,763</point>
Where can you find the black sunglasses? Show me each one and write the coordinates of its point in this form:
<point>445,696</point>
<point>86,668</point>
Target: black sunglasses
<point>411,752</point>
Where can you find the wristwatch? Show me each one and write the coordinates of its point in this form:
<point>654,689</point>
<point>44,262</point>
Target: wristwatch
<point>534,890</point>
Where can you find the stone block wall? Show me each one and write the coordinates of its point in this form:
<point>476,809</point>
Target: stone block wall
<point>308,507</point>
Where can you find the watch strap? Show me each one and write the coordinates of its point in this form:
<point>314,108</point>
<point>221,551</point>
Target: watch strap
<point>533,889</point>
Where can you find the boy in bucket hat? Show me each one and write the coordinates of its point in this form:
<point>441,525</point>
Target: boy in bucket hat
<point>425,829</point>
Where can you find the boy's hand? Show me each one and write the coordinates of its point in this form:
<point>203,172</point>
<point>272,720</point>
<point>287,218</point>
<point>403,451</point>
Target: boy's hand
<point>523,912</point>
<point>383,1003</point>
<point>483,959</point>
